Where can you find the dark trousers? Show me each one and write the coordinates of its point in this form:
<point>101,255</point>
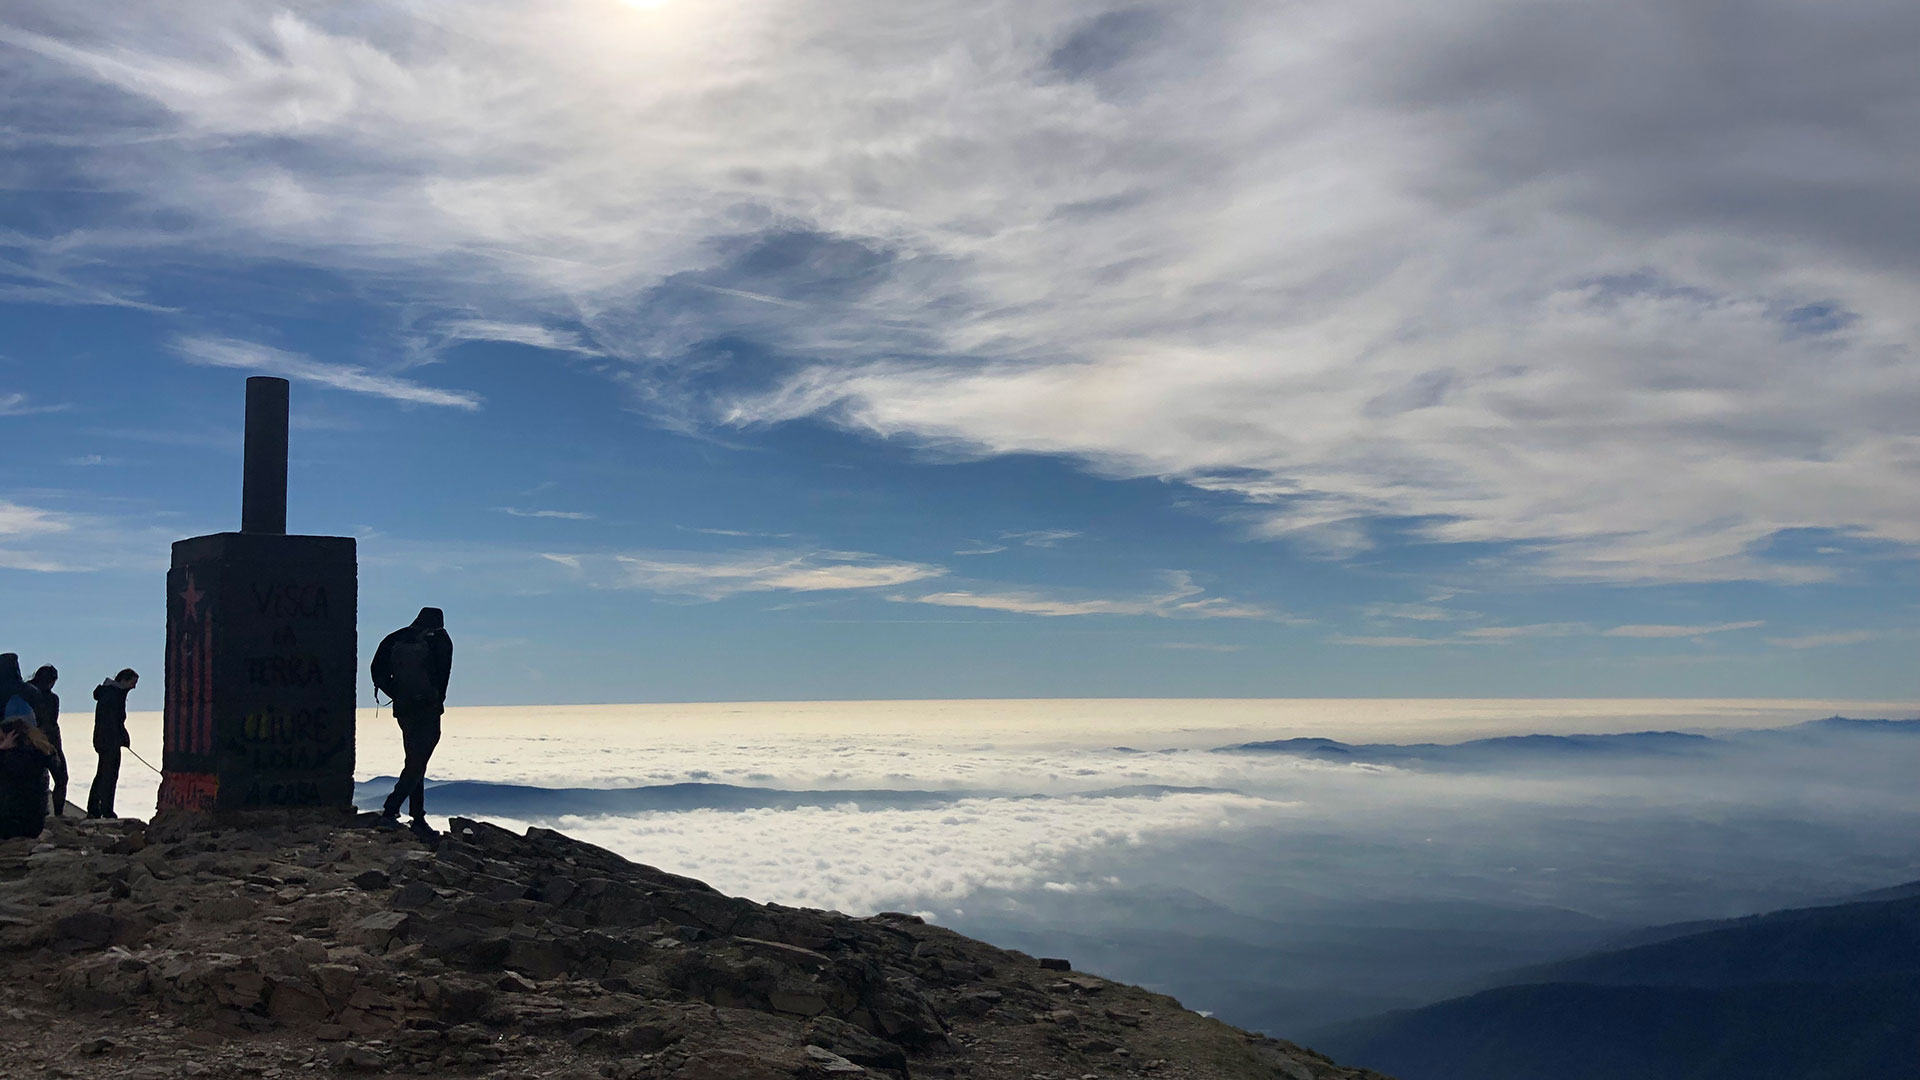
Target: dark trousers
<point>58,767</point>
<point>419,734</point>
<point>106,780</point>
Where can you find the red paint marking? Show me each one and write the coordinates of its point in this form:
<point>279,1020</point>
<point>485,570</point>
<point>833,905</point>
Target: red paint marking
<point>192,792</point>
<point>205,739</point>
<point>191,596</point>
<point>172,714</point>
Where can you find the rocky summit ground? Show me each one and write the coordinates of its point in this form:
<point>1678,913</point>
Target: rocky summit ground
<point>301,948</point>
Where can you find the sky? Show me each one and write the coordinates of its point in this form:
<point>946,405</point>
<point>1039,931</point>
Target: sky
<point>753,350</point>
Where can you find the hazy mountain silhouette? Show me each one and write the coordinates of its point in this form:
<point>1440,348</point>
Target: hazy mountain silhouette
<point>1805,994</point>
<point>524,802</point>
<point>1547,749</point>
<point>1504,748</point>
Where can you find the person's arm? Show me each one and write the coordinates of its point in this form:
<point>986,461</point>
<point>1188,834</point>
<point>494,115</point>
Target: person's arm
<point>382,667</point>
<point>443,665</point>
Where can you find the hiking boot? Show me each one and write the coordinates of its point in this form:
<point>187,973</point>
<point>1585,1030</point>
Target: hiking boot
<point>421,829</point>
<point>388,821</point>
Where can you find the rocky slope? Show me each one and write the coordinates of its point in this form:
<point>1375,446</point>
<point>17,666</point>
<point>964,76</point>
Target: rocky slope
<point>291,946</point>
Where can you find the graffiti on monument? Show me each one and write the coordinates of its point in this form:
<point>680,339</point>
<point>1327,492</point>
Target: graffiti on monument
<point>188,710</point>
<point>192,792</point>
<point>295,722</point>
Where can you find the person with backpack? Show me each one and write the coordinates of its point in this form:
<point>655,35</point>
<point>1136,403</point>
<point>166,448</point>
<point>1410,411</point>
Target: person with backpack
<point>109,735</point>
<point>24,754</point>
<point>43,680</point>
<point>411,667</point>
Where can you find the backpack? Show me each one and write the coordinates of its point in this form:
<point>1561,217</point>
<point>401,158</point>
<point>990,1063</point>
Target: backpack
<point>412,665</point>
<point>19,709</point>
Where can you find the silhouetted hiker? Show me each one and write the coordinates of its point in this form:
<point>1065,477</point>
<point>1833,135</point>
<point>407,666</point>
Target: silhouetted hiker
<point>44,679</point>
<point>24,754</point>
<point>411,667</point>
<point>109,735</point>
<point>13,684</point>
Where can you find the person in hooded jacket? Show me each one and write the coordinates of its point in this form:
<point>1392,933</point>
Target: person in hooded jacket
<point>412,667</point>
<point>13,684</point>
<point>109,735</point>
<point>43,680</point>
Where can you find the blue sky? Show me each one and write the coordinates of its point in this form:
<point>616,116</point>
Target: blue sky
<point>748,350</point>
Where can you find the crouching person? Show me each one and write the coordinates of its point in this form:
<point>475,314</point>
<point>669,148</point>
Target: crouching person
<point>26,757</point>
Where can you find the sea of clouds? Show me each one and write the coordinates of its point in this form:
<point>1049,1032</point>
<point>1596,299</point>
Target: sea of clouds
<point>1285,888</point>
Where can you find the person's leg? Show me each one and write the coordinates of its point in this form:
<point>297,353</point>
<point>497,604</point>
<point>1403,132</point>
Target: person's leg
<point>58,767</point>
<point>426,737</point>
<point>107,781</point>
<point>411,772</point>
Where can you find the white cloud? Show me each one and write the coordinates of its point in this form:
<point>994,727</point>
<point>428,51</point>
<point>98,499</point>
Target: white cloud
<point>1669,631</point>
<point>713,577</point>
<point>18,405</point>
<point>1585,280</point>
<point>1821,641</point>
<point>40,540</point>
<point>1181,599</point>
<point>19,520</point>
<point>1479,635</point>
<point>739,533</point>
<point>866,860</point>
<point>564,515</point>
<point>1510,633</point>
<point>1415,612</point>
<point>976,547</point>
<point>540,337</point>
<point>1402,642</point>
<point>247,355</point>
<point>1041,538</point>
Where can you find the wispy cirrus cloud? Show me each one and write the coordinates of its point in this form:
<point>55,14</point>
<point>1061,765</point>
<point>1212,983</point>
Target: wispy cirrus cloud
<point>38,539</point>
<point>716,576</point>
<point>1824,641</point>
<point>1501,283</point>
<point>1663,630</point>
<point>1428,612</point>
<point>562,515</point>
<point>735,533</point>
<point>252,356</point>
<point>1479,635</point>
<point>1041,538</point>
<point>1182,599</point>
<point>533,334</point>
<point>18,520</point>
<point>19,405</point>
<point>1390,641</point>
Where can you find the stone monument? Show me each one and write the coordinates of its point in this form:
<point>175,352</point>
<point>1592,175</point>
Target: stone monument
<point>262,661</point>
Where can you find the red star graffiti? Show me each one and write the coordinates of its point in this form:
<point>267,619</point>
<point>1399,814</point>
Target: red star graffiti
<point>192,596</point>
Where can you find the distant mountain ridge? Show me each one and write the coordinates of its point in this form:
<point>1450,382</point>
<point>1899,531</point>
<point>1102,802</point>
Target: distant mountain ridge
<point>1535,748</point>
<point>469,797</point>
<point>1823,993</point>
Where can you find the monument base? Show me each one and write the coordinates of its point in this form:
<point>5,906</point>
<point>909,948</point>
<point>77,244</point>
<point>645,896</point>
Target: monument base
<point>262,648</point>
